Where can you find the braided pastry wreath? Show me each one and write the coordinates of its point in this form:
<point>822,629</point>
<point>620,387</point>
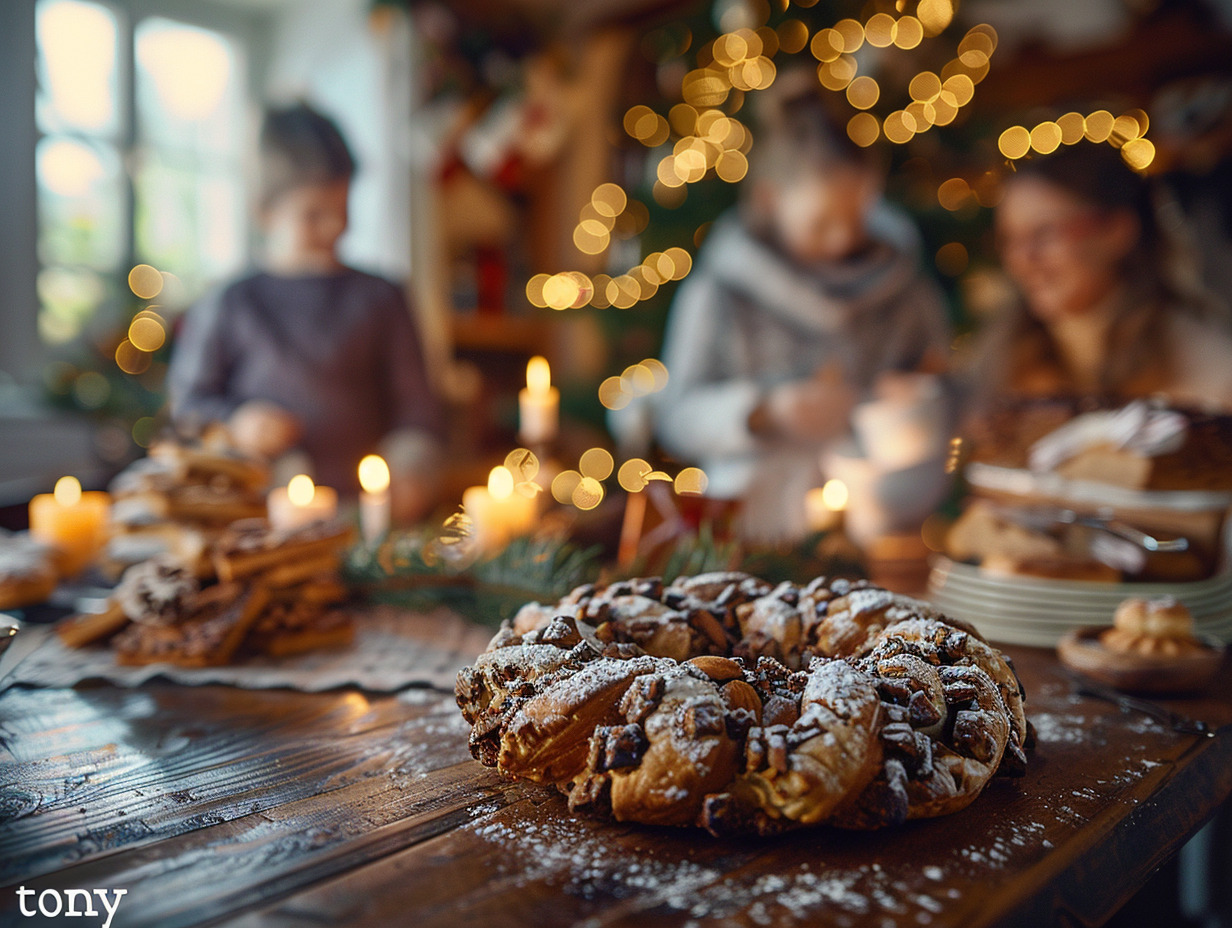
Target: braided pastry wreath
<point>726,702</point>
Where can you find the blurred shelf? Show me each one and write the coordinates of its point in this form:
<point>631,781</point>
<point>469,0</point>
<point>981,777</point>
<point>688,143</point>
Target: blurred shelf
<point>507,334</point>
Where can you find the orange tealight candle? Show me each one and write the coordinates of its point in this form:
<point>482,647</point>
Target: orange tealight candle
<point>73,522</point>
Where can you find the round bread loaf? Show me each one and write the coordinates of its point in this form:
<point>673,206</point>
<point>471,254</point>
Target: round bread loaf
<point>726,702</point>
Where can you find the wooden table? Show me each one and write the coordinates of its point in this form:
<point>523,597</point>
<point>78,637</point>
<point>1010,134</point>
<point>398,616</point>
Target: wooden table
<point>213,805</point>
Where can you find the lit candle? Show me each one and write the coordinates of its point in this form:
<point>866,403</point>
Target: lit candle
<point>497,513</point>
<point>300,502</point>
<point>73,522</point>
<point>374,498</point>
<point>538,404</point>
<point>824,505</point>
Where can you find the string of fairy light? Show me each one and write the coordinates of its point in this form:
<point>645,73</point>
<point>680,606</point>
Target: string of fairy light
<point>709,140</point>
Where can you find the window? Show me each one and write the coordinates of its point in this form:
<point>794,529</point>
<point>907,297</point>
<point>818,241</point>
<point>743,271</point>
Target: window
<point>139,161</point>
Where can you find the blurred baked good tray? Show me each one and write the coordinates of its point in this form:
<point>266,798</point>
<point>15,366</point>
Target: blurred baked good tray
<point>1021,482</point>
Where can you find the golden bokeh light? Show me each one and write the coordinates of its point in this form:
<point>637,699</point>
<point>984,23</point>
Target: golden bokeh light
<point>732,166</point>
<point>705,87</point>
<point>908,33</point>
<point>145,282</point>
<point>961,86</point>
<point>560,291</point>
<point>658,373</point>
<point>923,113</point>
<point>1072,127</point>
<point>899,127</point>
<point>589,241</point>
<point>1014,142</point>
<point>1099,126</point>
<point>837,74</point>
<point>1138,153</point>
<point>612,394</point>
<point>638,379</point>
<point>925,87</point>
<point>692,481</point>
<point>879,30</point>
<point>634,474</point>
<point>935,15</point>
<point>563,485</point>
<point>1046,138</point>
<point>863,93</point>
<point>596,463</point>
<point>852,34</point>
<point>863,129</point>
<point>954,194</point>
<point>147,331</point>
<point>681,260</point>
<point>609,200</point>
<point>588,494</point>
<point>131,359</point>
<point>1124,129</point>
<point>827,45</point>
<point>945,110</point>
<point>522,463</point>
<point>534,290</point>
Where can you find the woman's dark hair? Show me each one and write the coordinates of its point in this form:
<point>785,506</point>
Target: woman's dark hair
<point>1159,280</point>
<point>300,146</point>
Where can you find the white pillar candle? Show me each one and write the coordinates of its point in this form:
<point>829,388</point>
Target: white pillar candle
<point>374,506</point>
<point>498,514</point>
<point>300,502</point>
<point>538,404</point>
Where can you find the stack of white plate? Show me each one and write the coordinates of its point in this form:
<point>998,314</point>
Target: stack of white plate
<point>1038,611</point>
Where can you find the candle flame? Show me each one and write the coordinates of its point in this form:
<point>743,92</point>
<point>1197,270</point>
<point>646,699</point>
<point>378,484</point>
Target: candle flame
<point>374,474</point>
<point>834,495</point>
<point>500,483</point>
<point>67,491</point>
<point>301,490</point>
<point>538,375</point>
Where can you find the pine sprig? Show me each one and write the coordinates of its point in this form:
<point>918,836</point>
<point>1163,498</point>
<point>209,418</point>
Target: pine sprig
<point>414,570</point>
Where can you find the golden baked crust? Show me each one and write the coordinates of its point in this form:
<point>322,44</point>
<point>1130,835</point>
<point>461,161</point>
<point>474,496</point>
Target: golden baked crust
<point>725,702</point>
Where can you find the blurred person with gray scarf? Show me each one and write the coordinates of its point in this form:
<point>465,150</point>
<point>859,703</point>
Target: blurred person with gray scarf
<point>805,304</point>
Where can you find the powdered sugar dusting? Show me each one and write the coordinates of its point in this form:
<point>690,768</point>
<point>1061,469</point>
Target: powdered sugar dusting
<point>590,865</point>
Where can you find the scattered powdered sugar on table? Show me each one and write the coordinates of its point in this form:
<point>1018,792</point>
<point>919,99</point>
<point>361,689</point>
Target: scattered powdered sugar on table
<point>1051,728</point>
<point>591,866</point>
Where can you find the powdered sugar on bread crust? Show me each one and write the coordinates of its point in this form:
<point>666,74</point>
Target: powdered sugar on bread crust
<point>684,704</point>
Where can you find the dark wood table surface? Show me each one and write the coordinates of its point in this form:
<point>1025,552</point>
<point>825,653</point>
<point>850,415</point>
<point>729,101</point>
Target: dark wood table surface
<point>215,805</point>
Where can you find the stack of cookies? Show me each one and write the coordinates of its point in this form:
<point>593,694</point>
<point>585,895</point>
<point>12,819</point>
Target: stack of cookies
<point>179,499</point>
<point>277,593</point>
